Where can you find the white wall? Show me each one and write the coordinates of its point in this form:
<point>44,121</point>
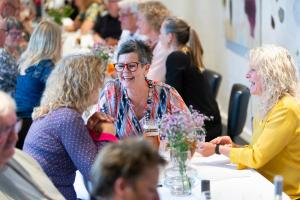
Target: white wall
<point>206,17</point>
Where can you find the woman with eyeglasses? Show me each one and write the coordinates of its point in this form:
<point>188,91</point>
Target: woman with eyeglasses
<point>14,30</point>
<point>9,68</point>
<point>132,99</point>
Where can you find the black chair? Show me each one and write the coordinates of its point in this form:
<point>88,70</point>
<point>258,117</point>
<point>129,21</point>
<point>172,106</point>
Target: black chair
<point>214,80</point>
<point>237,112</point>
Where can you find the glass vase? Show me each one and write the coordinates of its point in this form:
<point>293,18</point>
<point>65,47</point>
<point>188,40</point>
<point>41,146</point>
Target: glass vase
<point>180,177</point>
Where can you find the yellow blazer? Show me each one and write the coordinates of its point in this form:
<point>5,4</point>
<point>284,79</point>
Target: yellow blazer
<point>275,146</point>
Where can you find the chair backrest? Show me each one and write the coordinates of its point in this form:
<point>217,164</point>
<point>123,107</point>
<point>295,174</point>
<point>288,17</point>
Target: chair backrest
<point>237,112</point>
<point>214,79</point>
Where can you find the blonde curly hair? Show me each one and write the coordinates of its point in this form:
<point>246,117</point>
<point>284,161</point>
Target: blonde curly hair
<point>278,73</point>
<point>71,84</point>
<point>155,12</point>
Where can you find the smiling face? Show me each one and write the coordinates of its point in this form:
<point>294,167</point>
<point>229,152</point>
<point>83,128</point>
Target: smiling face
<point>130,79</point>
<point>255,82</point>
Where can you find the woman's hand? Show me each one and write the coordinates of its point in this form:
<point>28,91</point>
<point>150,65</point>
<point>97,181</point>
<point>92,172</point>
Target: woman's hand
<point>223,140</point>
<point>206,148</point>
<point>101,122</point>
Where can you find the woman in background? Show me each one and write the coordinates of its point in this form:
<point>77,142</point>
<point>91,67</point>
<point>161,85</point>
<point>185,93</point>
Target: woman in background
<point>151,14</point>
<point>275,146</point>
<point>14,37</point>
<point>35,65</point>
<point>184,71</point>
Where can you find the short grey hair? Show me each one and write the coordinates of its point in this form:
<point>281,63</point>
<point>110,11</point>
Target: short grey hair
<point>136,46</point>
<point>7,104</point>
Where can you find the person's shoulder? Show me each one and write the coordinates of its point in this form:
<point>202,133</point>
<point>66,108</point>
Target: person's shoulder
<point>162,86</point>
<point>289,102</point>
<point>178,57</point>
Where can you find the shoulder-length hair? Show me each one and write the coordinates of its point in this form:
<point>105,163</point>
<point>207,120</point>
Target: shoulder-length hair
<point>45,43</point>
<point>278,73</point>
<point>155,12</point>
<point>71,84</point>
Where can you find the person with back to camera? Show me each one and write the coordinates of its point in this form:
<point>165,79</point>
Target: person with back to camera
<point>130,173</point>
<point>58,137</point>
<point>184,71</point>
<point>35,66</point>
<point>275,146</point>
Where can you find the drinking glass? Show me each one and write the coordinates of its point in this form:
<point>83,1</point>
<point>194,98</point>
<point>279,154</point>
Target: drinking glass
<point>151,133</point>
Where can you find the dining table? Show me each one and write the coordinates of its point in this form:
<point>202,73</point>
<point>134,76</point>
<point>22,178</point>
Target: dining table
<point>226,182</point>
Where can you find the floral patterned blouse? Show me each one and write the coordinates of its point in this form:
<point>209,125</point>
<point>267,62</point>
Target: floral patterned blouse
<point>8,72</point>
<point>115,102</point>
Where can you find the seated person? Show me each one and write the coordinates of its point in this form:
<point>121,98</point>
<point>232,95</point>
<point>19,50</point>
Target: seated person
<point>184,71</point>
<point>8,65</point>
<point>128,10</point>
<point>274,149</point>
<point>14,38</point>
<point>130,173</point>
<point>88,12</point>
<point>151,15</point>
<point>107,29</point>
<point>21,176</point>
<point>35,66</point>
<point>58,138</point>
<point>132,99</point>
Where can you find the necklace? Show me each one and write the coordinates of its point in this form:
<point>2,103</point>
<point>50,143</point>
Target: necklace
<point>149,100</point>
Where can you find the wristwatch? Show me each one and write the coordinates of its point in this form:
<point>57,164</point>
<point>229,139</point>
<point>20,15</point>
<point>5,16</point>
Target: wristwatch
<point>217,149</point>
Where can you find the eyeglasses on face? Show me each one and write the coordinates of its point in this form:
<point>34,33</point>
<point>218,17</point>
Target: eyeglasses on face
<point>132,66</point>
<point>12,128</point>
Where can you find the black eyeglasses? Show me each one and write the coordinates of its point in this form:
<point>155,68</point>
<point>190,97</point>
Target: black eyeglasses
<point>132,66</point>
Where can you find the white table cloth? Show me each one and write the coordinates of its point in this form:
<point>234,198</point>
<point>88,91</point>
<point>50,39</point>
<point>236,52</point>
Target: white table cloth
<point>226,182</point>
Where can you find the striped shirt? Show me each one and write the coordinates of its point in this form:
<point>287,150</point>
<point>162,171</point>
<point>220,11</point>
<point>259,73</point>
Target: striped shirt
<point>114,101</point>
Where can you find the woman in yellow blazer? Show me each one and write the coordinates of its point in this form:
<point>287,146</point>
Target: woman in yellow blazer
<point>275,146</point>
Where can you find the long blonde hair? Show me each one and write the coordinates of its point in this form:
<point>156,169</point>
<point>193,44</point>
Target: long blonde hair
<point>45,43</point>
<point>278,73</point>
<point>71,84</point>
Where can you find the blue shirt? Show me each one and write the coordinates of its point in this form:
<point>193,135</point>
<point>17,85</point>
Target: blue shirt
<point>30,87</point>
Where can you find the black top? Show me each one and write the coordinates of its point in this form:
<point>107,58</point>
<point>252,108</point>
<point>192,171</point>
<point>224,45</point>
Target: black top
<point>195,90</point>
<point>107,26</point>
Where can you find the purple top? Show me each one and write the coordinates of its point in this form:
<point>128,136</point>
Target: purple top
<point>60,142</point>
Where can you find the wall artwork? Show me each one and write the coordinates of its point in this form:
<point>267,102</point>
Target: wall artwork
<point>242,24</point>
<point>281,21</point>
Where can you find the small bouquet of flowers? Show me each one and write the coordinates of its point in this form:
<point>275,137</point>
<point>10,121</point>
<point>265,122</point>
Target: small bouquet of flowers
<point>183,129</point>
<point>106,53</point>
